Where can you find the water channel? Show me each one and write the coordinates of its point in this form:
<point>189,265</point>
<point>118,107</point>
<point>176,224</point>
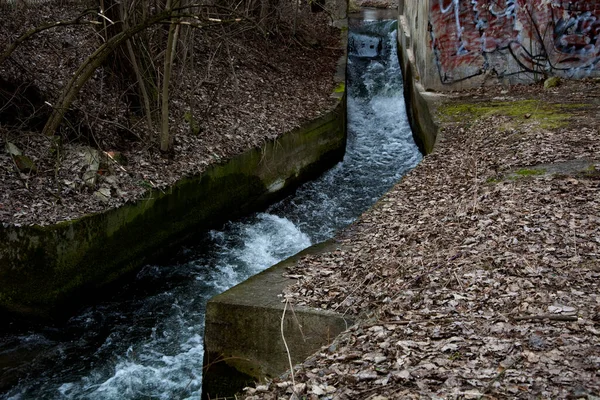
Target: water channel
<point>146,341</point>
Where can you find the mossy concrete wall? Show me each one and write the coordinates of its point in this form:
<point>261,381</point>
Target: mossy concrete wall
<point>44,268</point>
<point>243,341</point>
<point>420,104</point>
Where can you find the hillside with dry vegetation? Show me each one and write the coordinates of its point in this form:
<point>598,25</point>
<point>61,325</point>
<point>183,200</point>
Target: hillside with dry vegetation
<point>87,122</point>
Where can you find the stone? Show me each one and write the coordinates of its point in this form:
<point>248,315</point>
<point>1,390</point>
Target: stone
<point>102,194</point>
<point>12,149</point>
<point>92,161</point>
<point>551,82</point>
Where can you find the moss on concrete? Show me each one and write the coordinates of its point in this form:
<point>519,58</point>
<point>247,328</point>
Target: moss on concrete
<point>546,115</point>
<point>530,172</point>
<point>578,167</point>
<point>42,268</point>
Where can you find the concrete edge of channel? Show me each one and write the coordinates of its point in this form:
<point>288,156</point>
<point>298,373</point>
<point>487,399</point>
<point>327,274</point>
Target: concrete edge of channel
<point>244,332</point>
<point>251,334</point>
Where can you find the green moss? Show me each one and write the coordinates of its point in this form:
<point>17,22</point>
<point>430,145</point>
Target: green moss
<point>547,115</point>
<point>194,126</point>
<point>552,82</point>
<point>590,172</point>
<point>530,172</point>
<point>340,88</point>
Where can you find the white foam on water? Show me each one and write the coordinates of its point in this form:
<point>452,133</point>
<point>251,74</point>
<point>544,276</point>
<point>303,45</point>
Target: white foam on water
<point>270,240</point>
<point>149,374</point>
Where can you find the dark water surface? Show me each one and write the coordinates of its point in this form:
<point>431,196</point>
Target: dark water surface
<point>146,342</point>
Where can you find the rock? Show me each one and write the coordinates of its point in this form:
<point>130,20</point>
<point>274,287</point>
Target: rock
<point>551,82</point>
<point>12,149</point>
<point>24,164</point>
<point>92,161</point>
<point>102,194</point>
<point>89,177</point>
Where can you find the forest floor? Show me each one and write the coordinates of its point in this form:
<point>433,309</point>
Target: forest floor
<point>232,90</point>
<point>391,4</point>
<point>477,276</point>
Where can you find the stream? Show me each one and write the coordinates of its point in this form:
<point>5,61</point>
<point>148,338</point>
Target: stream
<point>146,341</point>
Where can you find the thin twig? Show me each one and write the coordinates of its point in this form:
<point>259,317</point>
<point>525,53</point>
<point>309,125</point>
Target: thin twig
<point>287,349</point>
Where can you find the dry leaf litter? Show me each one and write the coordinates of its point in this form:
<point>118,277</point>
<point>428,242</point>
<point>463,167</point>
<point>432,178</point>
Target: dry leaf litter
<point>240,88</point>
<point>474,277</point>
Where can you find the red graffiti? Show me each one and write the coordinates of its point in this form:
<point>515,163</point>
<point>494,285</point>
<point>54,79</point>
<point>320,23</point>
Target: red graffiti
<point>511,37</point>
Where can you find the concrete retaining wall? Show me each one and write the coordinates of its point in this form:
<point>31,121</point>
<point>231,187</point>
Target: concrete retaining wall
<point>44,268</point>
<point>420,104</point>
<point>243,341</point>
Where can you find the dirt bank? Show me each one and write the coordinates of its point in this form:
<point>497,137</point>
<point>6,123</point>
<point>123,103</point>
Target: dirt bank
<point>235,88</point>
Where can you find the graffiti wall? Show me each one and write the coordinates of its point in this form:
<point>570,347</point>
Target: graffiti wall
<point>515,39</point>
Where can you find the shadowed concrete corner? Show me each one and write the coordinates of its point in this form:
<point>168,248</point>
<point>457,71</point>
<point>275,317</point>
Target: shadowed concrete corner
<point>243,334</point>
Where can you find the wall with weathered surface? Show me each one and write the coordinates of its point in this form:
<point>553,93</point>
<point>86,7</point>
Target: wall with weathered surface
<point>43,268</point>
<point>466,43</point>
<point>244,335</point>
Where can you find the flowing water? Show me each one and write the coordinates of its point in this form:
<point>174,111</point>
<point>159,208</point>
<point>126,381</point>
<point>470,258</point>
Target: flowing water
<point>146,342</point>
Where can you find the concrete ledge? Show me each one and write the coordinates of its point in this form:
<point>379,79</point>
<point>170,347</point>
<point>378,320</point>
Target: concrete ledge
<point>242,340</point>
<point>420,104</point>
<point>44,269</point>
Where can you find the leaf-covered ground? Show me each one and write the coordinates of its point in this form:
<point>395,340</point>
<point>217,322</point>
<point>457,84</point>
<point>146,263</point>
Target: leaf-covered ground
<point>476,276</point>
<point>233,90</point>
